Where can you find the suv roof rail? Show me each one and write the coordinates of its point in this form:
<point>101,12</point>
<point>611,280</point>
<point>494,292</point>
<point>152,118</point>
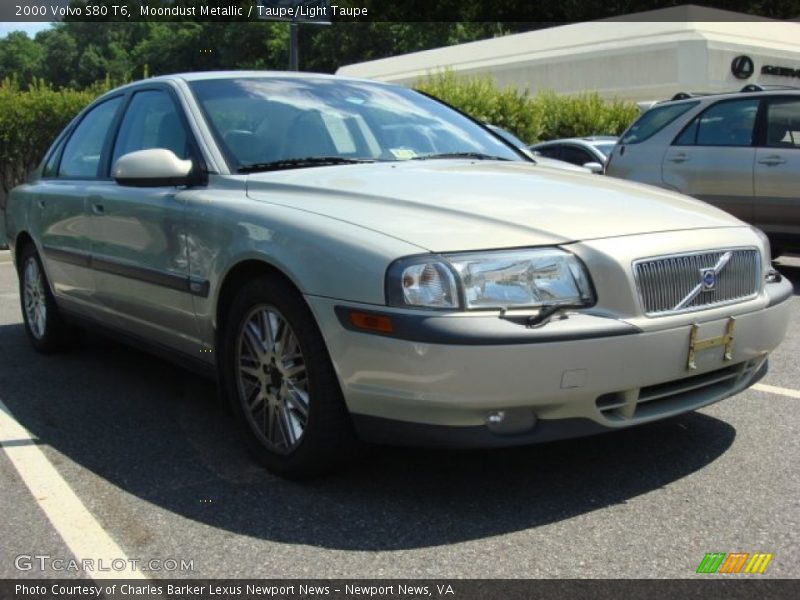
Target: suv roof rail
<point>750,87</point>
<point>765,87</point>
<point>685,95</point>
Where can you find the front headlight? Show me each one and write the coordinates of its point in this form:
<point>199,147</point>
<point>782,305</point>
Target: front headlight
<point>490,280</point>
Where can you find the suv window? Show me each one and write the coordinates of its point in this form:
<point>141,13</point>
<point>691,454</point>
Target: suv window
<point>728,123</point>
<point>151,121</point>
<point>654,120</point>
<point>82,153</point>
<point>783,123</point>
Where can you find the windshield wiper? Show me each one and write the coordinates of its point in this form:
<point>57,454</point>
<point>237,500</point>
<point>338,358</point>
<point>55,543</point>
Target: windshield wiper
<point>476,155</point>
<point>299,163</point>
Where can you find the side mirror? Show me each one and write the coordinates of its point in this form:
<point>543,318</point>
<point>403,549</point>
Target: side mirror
<point>153,167</point>
<point>594,167</point>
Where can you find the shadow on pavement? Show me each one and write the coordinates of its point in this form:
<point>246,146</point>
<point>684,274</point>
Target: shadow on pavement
<point>156,431</point>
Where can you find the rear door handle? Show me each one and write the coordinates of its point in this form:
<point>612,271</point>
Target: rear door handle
<point>772,160</point>
<point>679,158</point>
<point>97,208</point>
<point>40,203</point>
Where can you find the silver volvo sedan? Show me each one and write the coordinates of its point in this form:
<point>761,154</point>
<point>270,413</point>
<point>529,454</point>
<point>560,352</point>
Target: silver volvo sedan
<point>355,260</point>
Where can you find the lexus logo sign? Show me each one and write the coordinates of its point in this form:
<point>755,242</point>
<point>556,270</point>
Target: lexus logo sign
<point>742,67</point>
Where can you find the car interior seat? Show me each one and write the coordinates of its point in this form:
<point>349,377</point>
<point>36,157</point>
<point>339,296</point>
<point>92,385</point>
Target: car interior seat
<point>776,135</point>
<point>307,136</point>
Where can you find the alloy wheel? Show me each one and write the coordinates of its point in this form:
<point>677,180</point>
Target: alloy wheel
<point>272,379</point>
<point>34,299</point>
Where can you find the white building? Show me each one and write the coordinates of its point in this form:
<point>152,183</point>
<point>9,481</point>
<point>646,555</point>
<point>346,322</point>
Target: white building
<point>648,56</point>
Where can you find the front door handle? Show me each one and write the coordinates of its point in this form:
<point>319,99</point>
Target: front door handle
<point>679,158</point>
<point>97,208</point>
<point>772,160</point>
<point>40,203</point>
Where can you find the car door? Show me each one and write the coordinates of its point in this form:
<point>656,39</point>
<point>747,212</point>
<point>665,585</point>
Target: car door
<point>139,252</point>
<point>59,211</point>
<point>777,169</point>
<point>712,158</point>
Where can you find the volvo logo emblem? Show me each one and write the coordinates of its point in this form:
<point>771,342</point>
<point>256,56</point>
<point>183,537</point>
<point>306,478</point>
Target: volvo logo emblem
<point>742,67</point>
<point>709,279</point>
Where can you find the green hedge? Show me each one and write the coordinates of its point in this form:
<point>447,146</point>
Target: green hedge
<point>545,116</point>
<point>29,122</point>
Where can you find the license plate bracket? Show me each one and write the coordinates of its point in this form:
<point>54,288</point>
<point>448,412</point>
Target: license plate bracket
<point>697,345</point>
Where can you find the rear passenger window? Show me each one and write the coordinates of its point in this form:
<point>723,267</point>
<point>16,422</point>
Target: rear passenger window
<point>728,123</point>
<point>51,166</point>
<point>783,123</point>
<point>82,153</point>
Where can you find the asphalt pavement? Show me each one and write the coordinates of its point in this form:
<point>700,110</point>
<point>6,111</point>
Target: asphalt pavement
<point>158,465</point>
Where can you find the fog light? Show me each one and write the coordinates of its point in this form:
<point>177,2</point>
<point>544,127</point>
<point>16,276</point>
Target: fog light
<point>511,421</point>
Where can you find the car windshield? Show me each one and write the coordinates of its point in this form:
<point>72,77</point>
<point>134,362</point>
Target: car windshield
<point>268,123</point>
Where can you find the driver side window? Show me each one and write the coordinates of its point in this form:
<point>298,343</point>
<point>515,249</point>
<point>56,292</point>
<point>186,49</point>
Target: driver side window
<point>151,121</point>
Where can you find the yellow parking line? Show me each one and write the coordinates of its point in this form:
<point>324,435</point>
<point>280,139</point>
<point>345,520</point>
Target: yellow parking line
<point>84,536</point>
<point>776,390</point>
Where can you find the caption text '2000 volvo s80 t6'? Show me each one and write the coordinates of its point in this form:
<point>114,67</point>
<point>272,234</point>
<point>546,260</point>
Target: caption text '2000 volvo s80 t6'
<point>355,260</point>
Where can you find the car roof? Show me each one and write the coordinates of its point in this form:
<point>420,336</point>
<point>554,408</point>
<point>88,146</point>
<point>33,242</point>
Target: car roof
<point>209,75</point>
<point>204,75</point>
<point>588,141</point>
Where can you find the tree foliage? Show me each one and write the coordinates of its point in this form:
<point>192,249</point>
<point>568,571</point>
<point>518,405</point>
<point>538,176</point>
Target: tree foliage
<point>76,54</point>
<point>29,122</point>
<point>544,116</point>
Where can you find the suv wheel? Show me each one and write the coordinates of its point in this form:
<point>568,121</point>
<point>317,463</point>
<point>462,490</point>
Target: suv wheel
<point>281,383</point>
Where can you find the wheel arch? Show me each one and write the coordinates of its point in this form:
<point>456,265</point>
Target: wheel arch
<point>23,239</point>
<point>237,276</point>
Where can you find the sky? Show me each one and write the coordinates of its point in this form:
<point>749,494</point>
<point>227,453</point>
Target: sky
<point>31,29</point>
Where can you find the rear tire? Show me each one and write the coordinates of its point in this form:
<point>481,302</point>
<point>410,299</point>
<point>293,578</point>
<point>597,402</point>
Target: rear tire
<point>43,323</point>
<point>281,384</point>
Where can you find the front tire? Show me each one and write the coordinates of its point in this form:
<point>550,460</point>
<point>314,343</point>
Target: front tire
<point>43,322</point>
<point>281,384</point>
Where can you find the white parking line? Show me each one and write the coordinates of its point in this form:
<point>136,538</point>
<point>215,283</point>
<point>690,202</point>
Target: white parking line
<point>776,390</point>
<point>84,536</point>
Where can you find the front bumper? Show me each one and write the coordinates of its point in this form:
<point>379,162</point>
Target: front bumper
<point>576,376</point>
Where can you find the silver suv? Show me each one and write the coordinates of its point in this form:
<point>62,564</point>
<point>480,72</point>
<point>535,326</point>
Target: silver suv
<point>739,151</point>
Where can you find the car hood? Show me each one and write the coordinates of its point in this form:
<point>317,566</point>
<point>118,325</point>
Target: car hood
<point>450,205</point>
